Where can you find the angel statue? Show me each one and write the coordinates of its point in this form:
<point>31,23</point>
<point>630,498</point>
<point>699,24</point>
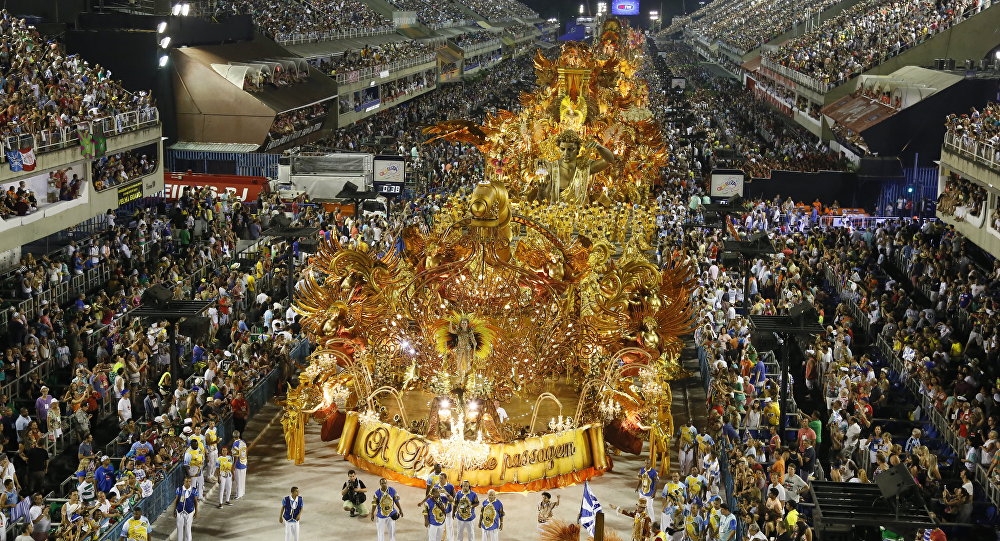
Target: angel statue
<point>465,344</point>
<point>465,338</point>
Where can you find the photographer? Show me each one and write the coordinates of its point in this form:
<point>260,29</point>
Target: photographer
<point>353,495</point>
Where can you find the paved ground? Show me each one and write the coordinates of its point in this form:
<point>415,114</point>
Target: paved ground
<point>320,478</point>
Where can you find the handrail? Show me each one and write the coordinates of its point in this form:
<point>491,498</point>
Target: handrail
<point>354,76</point>
<point>60,138</point>
<point>978,151</point>
<point>313,37</point>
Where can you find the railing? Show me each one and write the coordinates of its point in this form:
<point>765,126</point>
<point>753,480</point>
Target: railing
<point>977,151</point>
<point>61,293</point>
<point>451,24</point>
<point>354,76</point>
<point>57,139</point>
<point>799,78</point>
<point>312,37</point>
<point>475,48</point>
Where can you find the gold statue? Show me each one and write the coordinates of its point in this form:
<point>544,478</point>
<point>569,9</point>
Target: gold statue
<point>465,344</point>
<point>568,178</point>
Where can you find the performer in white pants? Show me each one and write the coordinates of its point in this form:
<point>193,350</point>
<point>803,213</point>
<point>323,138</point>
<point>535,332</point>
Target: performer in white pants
<point>685,447</point>
<point>291,514</point>
<point>185,508</point>
<point>224,477</point>
<point>211,449</point>
<point>384,506</point>
<point>491,517</point>
<point>240,468</point>
<point>436,507</point>
<point>466,503</point>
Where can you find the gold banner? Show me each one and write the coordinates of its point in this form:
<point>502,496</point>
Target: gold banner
<point>535,463</point>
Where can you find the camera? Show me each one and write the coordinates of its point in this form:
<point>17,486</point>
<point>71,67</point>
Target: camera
<point>352,495</point>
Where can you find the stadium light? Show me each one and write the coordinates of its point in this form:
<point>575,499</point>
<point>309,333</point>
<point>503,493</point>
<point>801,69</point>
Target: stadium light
<point>654,15</point>
<point>163,61</point>
<point>177,9</point>
<point>581,9</point>
<point>185,9</point>
<point>998,55</point>
<point>162,27</point>
<point>165,42</point>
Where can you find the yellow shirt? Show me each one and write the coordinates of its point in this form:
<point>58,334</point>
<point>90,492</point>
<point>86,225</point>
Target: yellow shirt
<point>225,465</point>
<point>211,437</point>
<point>138,530</point>
<point>197,458</point>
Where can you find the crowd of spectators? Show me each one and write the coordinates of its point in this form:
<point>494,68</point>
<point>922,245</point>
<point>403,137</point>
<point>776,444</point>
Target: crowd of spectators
<point>310,19</point>
<point>257,81</point>
<point>17,200</point>
<point>100,361</point>
<point>962,199</point>
<point>500,10</point>
<point>374,55</point>
<point>115,169</point>
<point>432,12</point>
<point>471,39</point>
<point>292,121</point>
<point>853,421</point>
<point>866,34</point>
<point>977,127</point>
<point>747,25</point>
<point>47,89</point>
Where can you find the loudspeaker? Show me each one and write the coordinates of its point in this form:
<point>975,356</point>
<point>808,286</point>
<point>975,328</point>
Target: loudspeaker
<point>280,220</point>
<point>349,187</point>
<point>194,327</point>
<point>309,246</point>
<point>895,481</point>
<point>156,294</point>
<point>803,313</point>
<point>758,238</point>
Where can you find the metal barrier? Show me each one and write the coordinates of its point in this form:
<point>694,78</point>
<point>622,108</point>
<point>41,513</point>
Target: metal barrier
<point>311,37</point>
<point>152,506</point>
<point>50,140</point>
<point>354,76</point>
<point>978,151</point>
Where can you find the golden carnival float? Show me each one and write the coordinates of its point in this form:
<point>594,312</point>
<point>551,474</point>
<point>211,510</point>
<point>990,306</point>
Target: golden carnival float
<point>528,330</point>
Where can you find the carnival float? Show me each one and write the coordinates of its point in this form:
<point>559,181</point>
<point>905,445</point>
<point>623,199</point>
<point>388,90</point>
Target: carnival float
<point>528,335</point>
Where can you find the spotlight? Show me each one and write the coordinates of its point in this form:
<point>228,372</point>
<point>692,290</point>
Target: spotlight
<point>163,60</point>
<point>177,9</point>
<point>162,27</point>
<point>165,42</point>
<point>185,9</point>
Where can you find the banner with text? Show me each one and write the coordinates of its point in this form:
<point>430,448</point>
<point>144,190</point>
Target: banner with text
<point>559,459</point>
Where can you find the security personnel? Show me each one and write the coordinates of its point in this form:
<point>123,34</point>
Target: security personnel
<point>224,476</point>
<point>185,509</point>
<point>240,470</point>
<point>194,461</point>
<point>491,517</point>
<point>211,449</point>
<point>466,503</point>
<point>136,528</point>
<point>385,505</point>
<point>291,514</point>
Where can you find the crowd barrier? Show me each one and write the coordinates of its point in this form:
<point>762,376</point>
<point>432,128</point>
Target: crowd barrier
<point>723,454</point>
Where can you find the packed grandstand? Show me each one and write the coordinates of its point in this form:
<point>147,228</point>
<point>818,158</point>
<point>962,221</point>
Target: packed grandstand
<point>111,212</point>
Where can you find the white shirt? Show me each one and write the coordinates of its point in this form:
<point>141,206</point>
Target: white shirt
<point>502,415</point>
<point>124,409</point>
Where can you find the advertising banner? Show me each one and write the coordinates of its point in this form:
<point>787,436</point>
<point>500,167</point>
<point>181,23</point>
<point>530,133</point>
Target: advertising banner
<point>546,461</point>
<point>625,7</point>
<point>239,187</point>
<point>129,193</point>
